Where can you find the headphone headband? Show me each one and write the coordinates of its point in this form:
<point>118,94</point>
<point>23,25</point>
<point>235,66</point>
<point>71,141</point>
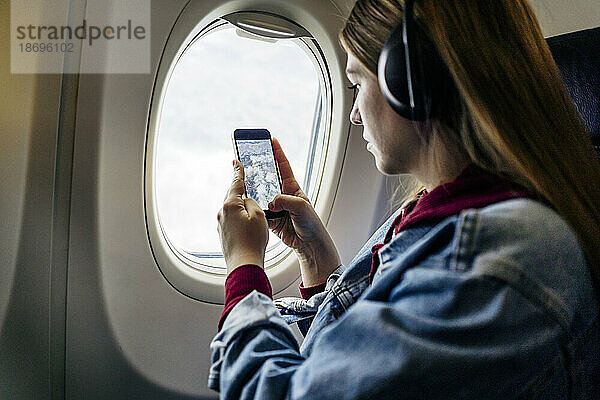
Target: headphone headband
<point>406,20</point>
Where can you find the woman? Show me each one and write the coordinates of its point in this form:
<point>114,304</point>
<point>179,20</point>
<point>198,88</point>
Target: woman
<point>482,284</point>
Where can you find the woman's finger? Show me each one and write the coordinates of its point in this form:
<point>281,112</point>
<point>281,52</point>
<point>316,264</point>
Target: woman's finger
<point>293,204</point>
<point>287,176</point>
<point>253,208</point>
<point>237,189</point>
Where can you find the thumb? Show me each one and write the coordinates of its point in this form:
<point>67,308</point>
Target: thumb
<point>293,204</point>
<point>237,188</point>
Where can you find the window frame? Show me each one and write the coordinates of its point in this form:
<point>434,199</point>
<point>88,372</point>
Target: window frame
<point>191,274</point>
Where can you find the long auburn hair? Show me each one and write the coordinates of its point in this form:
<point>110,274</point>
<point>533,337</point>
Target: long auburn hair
<point>510,114</point>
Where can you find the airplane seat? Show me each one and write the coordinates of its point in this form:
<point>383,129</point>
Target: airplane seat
<point>577,55</point>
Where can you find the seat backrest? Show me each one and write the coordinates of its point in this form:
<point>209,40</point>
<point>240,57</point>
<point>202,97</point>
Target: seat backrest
<point>577,55</point>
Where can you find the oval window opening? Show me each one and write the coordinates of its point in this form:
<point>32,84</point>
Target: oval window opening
<point>229,78</point>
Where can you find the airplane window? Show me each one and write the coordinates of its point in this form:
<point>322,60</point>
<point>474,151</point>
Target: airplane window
<point>225,79</point>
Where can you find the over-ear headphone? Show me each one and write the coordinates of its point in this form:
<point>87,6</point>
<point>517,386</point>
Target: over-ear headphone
<point>414,88</point>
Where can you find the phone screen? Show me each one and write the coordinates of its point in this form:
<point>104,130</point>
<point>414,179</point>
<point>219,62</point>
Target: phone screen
<point>261,175</point>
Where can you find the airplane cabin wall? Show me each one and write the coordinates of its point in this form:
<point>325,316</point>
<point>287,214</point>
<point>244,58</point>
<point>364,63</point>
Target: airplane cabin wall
<point>29,119</point>
<point>561,16</point>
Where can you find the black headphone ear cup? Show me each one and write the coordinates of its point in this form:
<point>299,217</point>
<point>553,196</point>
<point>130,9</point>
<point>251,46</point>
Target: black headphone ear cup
<point>393,78</point>
<point>391,74</point>
<point>434,90</point>
<point>412,76</point>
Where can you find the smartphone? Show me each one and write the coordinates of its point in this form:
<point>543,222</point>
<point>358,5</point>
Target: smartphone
<point>254,149</point>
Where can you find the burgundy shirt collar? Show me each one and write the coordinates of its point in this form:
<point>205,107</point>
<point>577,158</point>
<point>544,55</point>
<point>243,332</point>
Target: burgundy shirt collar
<point>473,188</point>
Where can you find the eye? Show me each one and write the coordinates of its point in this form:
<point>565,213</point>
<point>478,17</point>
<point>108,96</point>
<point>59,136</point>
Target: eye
<point>355,88</point>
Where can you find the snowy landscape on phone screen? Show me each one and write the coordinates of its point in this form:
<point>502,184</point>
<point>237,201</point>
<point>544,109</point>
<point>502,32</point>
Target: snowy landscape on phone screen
<point>262,182</point>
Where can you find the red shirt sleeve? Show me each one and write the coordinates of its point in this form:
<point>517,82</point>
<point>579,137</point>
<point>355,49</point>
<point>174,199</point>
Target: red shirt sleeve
<point>308,292</point>
<point>240,282</point>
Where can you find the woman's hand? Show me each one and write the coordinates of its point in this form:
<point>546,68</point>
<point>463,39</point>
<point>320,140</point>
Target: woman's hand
<point>302,229</point>
<point>242,226</point>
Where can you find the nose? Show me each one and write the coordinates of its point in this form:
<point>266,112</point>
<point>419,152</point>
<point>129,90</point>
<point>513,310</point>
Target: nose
<point>355,115</point>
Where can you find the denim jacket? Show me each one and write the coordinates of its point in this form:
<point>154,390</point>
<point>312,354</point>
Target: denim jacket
<point>491,303</point>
